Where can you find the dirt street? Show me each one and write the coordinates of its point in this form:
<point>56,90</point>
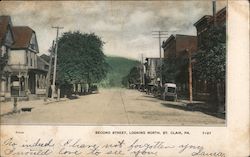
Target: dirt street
<point>113,107</point>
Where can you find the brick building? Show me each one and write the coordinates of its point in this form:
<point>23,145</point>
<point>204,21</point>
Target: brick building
<point>177,48</point>
<point>203,88</point>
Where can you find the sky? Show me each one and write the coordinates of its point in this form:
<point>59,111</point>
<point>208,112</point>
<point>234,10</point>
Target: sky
<point>125,26</point>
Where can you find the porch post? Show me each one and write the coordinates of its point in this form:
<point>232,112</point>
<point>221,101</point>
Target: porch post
<point>26,84</point>
<point>9,82</point>
<point>36,78</point>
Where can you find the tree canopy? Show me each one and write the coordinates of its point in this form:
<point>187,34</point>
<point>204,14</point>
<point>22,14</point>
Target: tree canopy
<point>175,70</point>
<point>211,58</point>
<point>133,77</point>
<point>81,58</point>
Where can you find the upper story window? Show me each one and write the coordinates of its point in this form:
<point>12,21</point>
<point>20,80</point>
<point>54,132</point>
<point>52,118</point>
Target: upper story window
<point>32,46</point>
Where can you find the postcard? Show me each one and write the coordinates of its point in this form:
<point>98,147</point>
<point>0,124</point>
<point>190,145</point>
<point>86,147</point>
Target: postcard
<point>124,78</point>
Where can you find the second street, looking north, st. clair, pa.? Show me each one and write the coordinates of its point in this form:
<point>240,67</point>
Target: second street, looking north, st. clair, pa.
<point>113,63</point>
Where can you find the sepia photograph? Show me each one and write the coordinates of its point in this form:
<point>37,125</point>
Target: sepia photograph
<point>113,63</point>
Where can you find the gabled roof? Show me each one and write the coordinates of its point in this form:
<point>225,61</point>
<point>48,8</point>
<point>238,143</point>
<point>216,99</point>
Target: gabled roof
<point>22,36</point>
<point>40,60</point>
<point>45,57</point>
<point>4,22</point>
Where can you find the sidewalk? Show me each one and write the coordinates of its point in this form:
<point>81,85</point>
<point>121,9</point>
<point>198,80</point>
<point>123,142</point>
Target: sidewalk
<point>205,107</point>
<point>7,107</point>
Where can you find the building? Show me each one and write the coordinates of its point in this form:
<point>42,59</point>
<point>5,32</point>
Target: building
<point>177,45</point>
<point>207,21</point>
<point>176,51</point>
<point>6,41</point>
<point>25,72</point>
<point>152,66</point>
<point>203,88</point>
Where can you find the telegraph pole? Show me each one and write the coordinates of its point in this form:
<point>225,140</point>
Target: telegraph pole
<point>142,70</point>
<point>55,61</point>
<point>49,71</point>
<point>159,35</point>
<point>190,76</point>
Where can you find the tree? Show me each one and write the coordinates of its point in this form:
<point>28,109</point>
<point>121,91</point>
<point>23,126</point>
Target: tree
<point>133,77</point>
<point>3,63</point>
<point>175,70</point>
<point>81,58</point>
<point>211,58</point>
<point>210,61</point>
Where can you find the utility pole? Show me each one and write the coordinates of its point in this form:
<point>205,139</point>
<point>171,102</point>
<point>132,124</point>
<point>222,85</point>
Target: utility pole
<point>49,71</point>
<point>160,35</point>
<point>190,75</point>
<point>55,61</point>
<point>142,70</point>
<point>214,12</point>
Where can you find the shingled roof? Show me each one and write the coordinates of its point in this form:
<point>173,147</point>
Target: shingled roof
<point>22,36</point>
<point>4,21</point>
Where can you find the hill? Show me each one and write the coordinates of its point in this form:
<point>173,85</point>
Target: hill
<point>119,67</point>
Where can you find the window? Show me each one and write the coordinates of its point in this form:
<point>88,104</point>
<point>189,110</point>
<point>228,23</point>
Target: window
<point>30,61</point>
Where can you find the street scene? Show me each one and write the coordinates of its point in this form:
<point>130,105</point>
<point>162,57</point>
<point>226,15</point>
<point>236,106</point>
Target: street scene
<point>140,64</point>
<point>114,107</point>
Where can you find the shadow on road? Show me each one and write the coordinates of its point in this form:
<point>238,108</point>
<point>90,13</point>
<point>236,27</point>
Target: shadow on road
<point>148,96</point>
<point>196,107</point>
<point>73,97</point>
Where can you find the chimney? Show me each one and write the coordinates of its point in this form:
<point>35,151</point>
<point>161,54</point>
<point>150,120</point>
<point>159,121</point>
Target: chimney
<point>214,11</point>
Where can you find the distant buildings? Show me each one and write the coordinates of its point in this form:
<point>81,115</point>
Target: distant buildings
<point>25,72</point>
<point>152,66</point>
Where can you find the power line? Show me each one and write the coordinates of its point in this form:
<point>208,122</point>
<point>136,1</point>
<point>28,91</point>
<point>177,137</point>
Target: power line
<point>160,35</point>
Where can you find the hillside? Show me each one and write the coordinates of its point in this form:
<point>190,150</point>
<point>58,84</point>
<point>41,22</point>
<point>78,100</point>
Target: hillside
<point>119,67</point>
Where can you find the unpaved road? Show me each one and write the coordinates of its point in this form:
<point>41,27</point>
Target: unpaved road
<point>113,107</point>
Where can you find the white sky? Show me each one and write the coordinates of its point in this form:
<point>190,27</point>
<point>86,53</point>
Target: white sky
<point>126,26</point>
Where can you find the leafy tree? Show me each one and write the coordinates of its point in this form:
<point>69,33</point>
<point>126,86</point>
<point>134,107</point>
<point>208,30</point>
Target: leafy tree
<point>3,63</point>
<point>81,58</point>
<point>175,70</point>
<point>211,58</point>
<point>133,77</point>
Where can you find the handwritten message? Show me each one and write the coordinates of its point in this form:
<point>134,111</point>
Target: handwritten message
<point>79,147</point>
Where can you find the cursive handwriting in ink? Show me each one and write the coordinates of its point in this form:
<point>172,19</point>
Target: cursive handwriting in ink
<point>190,147</point>
<point>138,148</point>
<point>119,144</point>
<point>38,143</point>
<point>10,143</point>
<point>203,153</point>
